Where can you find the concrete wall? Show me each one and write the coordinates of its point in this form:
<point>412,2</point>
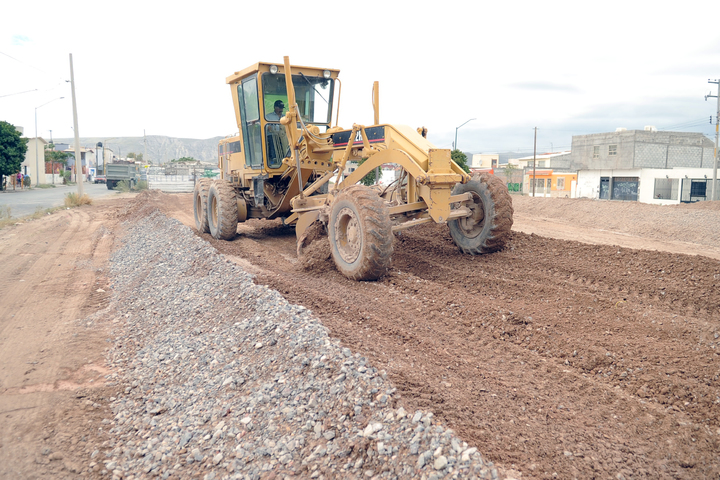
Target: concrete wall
<point>641,149</point>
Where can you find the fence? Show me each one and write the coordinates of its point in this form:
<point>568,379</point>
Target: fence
<point>171,183</point>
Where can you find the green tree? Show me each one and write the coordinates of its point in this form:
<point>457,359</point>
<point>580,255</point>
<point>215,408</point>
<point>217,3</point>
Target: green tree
<point>12,150</point>
<point>368,179</point>
<point>184,160</point>
<point>461,159</point>
<point>131,155</point>
<point>138,157</point>
<point>509,170</point>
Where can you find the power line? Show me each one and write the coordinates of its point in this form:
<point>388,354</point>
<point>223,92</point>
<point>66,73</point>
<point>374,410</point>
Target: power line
<point>18,93</point>
<point>33,66</point>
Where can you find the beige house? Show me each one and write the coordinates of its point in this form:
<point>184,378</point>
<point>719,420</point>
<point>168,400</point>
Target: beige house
<point>35,150</point>
<point>87,159</point>
<point>542,160</point>
<point>484,160</point>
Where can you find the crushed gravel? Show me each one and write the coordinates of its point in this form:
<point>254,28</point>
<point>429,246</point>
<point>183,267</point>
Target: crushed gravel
<point>225,379</point>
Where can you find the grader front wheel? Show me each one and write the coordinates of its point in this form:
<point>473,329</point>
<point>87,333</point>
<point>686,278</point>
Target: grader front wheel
<point>360,234</point>
<point>200,196</point>
<point>222,210</point>
<point>488,228</point>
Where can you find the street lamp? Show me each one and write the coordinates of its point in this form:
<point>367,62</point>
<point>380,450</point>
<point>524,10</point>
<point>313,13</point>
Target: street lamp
<point>456,129</point>
<point>37,156</point>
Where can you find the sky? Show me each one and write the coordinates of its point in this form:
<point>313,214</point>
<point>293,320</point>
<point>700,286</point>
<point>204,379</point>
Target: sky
<point>565,67</point>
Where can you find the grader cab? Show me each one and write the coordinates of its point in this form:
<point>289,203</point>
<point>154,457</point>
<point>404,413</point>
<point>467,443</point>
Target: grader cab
<point>288,161</point>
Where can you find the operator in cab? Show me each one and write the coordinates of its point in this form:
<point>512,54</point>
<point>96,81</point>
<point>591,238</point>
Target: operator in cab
<point>277,114</point>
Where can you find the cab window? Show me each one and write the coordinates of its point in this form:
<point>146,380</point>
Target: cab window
<point>250,119</point>
<point>312,93</point>
<point>278,146</point>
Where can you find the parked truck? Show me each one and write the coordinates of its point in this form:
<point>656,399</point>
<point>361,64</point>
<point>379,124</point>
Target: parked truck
<point>118,171</point>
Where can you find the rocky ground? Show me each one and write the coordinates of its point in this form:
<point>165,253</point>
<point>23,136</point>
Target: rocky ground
<point>550,359</point>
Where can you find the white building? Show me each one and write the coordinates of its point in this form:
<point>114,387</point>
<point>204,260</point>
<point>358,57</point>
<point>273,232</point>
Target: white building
<point>644,165</point>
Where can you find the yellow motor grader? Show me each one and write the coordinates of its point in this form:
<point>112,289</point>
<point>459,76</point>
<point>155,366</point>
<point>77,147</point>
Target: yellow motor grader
<point>289,161</point>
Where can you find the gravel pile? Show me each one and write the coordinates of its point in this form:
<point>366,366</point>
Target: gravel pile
<point>225,379</point>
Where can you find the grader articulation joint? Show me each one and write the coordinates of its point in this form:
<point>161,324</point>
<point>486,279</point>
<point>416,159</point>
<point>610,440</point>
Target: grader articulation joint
<point>288,161</point>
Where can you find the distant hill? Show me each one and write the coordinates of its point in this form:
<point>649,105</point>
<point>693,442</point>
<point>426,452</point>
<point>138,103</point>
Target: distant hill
<point>157,148</point>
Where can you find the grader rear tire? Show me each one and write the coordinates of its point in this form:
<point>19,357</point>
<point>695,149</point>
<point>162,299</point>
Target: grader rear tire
<point>222,210</point>
<point>488,228</point>
<point>200,197</point>
<point>360,234</point>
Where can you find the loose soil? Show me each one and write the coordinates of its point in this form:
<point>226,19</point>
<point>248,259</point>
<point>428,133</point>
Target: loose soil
<point>587,348</point>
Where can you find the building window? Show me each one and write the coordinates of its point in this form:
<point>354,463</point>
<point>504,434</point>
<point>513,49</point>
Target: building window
<point>560,183</point>
<point>666,189</point>
<point>596,151</point>
<point>612,150</point>
<point>698,188</point>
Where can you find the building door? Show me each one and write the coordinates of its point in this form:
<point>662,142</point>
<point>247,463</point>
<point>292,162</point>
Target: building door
<point>604,188</point>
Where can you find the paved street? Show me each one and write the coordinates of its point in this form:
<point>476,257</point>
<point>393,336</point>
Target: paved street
<point>26,202</point>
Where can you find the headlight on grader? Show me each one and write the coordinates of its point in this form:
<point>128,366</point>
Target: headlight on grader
<point>326,73</point>
<point>274,69</point>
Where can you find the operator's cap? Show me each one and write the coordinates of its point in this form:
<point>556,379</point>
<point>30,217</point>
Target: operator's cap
<point>279,103</point>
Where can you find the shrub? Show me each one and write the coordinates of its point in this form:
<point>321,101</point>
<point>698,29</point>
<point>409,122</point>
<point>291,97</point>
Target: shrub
<point>122,186</point>
<point>125,186</point>
<point>73,200</point>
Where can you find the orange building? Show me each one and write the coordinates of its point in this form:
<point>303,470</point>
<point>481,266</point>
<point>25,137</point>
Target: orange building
<point>549,183</point>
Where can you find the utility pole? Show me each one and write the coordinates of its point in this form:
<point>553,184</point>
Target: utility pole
<point>78,152</point>
<point>534,158</point>
<point>713,193</point>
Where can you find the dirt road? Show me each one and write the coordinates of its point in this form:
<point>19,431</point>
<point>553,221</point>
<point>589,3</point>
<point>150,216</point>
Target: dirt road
<point>555,358</point>
<point>51,356</point>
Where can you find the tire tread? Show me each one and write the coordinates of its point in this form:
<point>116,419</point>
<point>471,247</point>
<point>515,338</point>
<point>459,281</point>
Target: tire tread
<point>227,210</point>
<point>498,216</point>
